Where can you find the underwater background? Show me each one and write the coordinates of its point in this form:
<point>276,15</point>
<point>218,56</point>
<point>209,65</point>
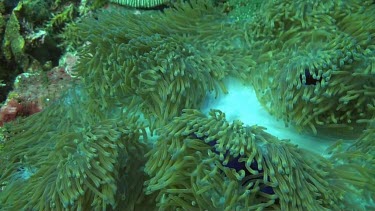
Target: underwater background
<point>187,105</point>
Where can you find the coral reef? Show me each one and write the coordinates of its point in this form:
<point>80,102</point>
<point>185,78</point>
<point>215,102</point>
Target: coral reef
<point>14,43</point>
<point>34,91</point>
<point>13,109</point>
<point>29,31</point>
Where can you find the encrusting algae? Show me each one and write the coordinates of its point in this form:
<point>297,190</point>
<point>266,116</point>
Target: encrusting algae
<point>310,63</point>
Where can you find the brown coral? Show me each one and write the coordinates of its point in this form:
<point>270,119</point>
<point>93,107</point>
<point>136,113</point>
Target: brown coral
<point>13,109</point>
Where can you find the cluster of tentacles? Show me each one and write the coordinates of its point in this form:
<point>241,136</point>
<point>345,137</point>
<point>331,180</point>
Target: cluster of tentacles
<point>131,136</point>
